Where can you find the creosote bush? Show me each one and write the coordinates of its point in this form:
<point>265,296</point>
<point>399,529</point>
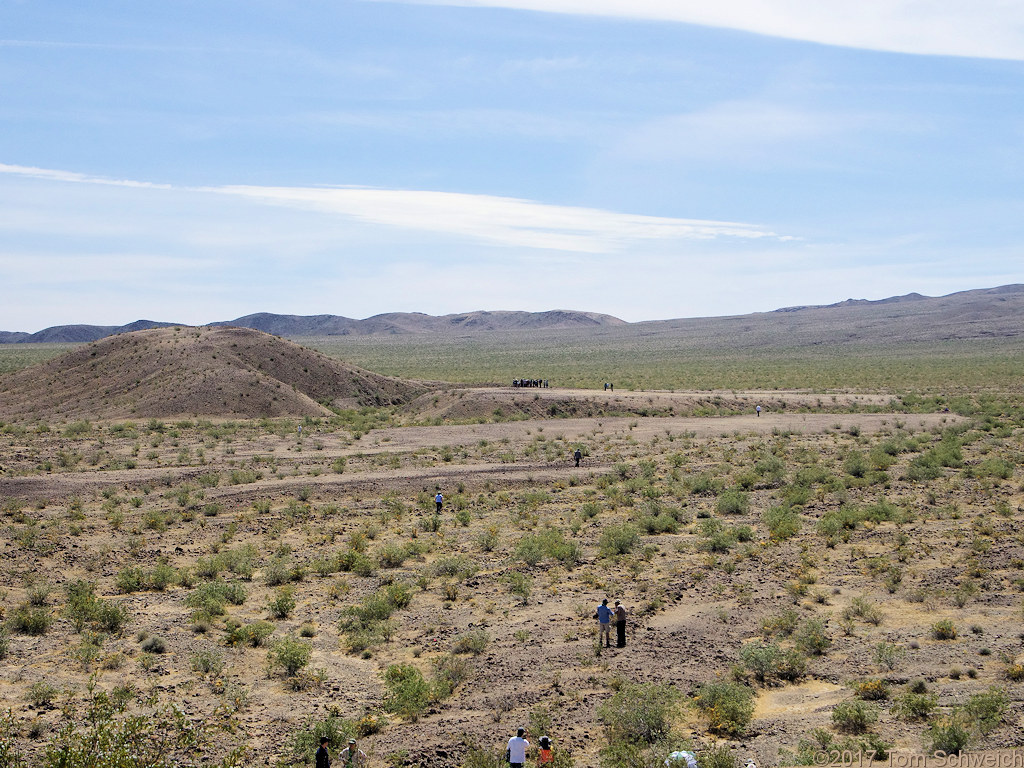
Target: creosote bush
<point>290,655</point>
<point>729,707</point>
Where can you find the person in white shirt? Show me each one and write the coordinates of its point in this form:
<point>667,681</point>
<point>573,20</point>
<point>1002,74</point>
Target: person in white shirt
<point>517,749</point>
<point>353,757</point>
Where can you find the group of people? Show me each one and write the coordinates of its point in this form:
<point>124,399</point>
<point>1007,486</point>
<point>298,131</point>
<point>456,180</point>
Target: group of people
<point>350,757</point>
<point>515,754</point>
<point>605,617</point>
<point>530,383</point>
<point>608,385</point>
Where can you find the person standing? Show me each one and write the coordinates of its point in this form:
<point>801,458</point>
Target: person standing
<point>323,760</point>
<point>544,756</point>
<point>352,756</point>
<point>516,752</point>
<point>439,500</point>
<point>604,623</point>
<point>620,625</point>
<point>578,455</point>
<point>758,409</point>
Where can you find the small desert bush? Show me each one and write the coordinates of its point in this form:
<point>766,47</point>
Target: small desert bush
<point>207,663</point>
<point>449,671</point>
<point>475,641</point>
<point>408,693</point>
<point>944,630</point>
<point>254,634</point>
<point>871,690</point>
<point>733,502</point>
<point>854,716</point>
<point>289,654</point>
<point>948,735</point>
<point>29,620</point>
<point>913,706</point>
<point>639,713</point>
<point>618,539</point>
<point>282,603</point>
<point>783,624</point>
<point>782,523</point>
<point>729,707</point>
<point>812,638</point>
<point>520,585</point>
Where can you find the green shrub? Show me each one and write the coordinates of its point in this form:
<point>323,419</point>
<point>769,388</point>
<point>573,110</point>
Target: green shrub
<point>721,756</point>
<point>130,579</point>
<point>729,707</point>
<point>254,634</point>
<point>854,716</point>
<point>41,693</point>
<point>391,555</point>
<point>154,644</point>
<point>782,523</point>
<point>811,638</point>
<point>760,658</point>
<point>948,735</point>
<point>521,585</point>
<point>208,663</point>
<point>618,539</point>
<point>733,502</point>
<point>282,603</point>
<point>110,617</point>
<point>944,630</point>
<point>408,693</point>
<point>301,747</point>
<point>915,706</point>
<point>871,690</point>
<point>289,654</point>
<point>449,671</point>
<point>784,624</point>
<point>475,641</point>
<point>889,655</point>
<point>639,713</point>
<point>27,620</point>
<point>986,710</point>
<point>455,566</point>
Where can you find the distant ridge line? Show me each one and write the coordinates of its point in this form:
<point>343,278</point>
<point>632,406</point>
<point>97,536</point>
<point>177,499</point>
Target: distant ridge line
<point>482,321</point>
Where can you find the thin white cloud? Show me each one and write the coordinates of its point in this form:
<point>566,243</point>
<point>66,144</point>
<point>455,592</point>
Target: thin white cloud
<point>982,28</point>
<point>494,220</point>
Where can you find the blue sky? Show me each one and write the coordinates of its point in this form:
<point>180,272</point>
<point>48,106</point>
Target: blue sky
<point>196,161</point>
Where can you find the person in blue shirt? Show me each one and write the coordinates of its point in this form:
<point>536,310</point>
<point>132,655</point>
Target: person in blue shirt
<point>604,622</point>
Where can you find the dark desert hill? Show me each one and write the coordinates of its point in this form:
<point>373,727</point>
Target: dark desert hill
<point>183,371</point>
<point>990,313</point>
<point>298,326</point>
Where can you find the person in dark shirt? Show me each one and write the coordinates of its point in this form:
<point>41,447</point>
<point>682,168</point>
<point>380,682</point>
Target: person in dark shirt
<point>323,760</point>
<point>620,624</point>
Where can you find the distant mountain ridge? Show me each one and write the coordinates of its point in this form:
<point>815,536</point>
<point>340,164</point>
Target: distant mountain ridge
<point>980,313</point>
<point>293,326</point>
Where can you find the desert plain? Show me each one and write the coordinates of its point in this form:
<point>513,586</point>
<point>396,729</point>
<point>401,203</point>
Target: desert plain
<point>222,576</point>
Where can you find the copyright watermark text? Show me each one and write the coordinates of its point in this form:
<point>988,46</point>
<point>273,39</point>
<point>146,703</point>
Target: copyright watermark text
<point>1009,758</point>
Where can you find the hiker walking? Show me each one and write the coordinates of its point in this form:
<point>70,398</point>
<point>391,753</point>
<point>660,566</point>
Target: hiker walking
<point>516,752</point>
<point>604,623</point>
<point>620,625</point>
<point>439,500</point>
<point>758,409</point>
<point>577,455</point>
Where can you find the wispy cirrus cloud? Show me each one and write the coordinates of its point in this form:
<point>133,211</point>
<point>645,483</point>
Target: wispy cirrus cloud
<point>983,28</point>
<point>501,221</point>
